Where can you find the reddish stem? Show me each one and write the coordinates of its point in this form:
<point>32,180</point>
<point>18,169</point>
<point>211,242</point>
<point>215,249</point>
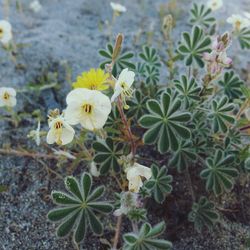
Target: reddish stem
<point>127,126</point>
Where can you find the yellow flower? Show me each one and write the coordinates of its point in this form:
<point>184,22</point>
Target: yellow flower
<point>95,79</point>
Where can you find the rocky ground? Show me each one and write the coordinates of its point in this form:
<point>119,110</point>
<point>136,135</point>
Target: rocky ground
<point>64,37</point>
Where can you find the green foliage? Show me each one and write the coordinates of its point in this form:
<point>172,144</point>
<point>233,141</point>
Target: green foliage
<point>219,174</point>
<point>160,183</point>
<point>188,89</point>
<point>123,60</point>
<point>220,115</point>
<point>244,38</point>
<point>164,123</point>
<point>149,69</point>
<point>150,57</point>
<point>137,105</point>
<point>203,214</point>
<point>231,84</point>
<point>181,157</point>
<point>107,154</point>
<point>137,214</point>
<point>200,15</point>
<point>78,208</point>
<point>193,46</point>
<point>147,238</point>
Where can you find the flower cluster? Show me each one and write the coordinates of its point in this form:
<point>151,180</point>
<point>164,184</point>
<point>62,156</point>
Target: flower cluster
<point>87,105</point>
<point>217,59</point>
<point>238,22</point>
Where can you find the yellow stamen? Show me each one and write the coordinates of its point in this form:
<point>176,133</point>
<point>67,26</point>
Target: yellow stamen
<point>126,93</point>
<point>6,96</point>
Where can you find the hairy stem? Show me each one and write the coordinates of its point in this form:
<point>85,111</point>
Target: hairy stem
<point>117,232</point>
<point>127,126</point>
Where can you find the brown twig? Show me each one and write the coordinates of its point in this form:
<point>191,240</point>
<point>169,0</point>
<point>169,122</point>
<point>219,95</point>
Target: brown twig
<point>117,232</point>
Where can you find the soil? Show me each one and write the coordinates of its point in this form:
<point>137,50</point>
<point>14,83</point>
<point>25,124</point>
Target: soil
<point>61,39</point>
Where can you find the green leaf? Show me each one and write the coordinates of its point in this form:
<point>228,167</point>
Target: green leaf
<point>107,155</point>
<point>219,114</point>
<point>244,38</point>
<point>219,174</point>
<point>164,123</point>
<point>231,85</point>
<point>146,239</point>
<point>159,184</point>
<point>203,214</point>
<point>83,211</point>
<point>193,46</point>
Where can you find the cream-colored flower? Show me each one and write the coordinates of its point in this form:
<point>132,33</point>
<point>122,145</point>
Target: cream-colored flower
<point>5,32</point>
<point>247,14</point>
<point>118,7</point>
<point>214,4</point>
<point>90,108</point>
<point>238,22</point>
<point>60,131</point>
<point>135,174</point>
<point>7,97</point>
<point>123,86</point>
<point>35,6</point>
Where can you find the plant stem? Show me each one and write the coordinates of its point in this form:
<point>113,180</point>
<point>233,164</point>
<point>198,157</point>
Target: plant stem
<point>190,184</point>
<point>117,232</point>
<point>127,126</point>
<point>135,227</point>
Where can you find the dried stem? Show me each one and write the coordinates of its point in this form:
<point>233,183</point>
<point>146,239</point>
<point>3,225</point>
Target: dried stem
<point>190,184</point>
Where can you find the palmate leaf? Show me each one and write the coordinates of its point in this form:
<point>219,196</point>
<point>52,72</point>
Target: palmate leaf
<point>231,85</point>
<point>137,105</point>
<point>113,122</point>
<point>123,60</point>
<point>160,183</point>
<point>193,46</point>
<point>152,74</point>
<point>188,89</point>
<point>165,123</point>
<point>203,214</point>
<point>78,208</point>
<point>107,154</point>
<point>150,57</point>
<point>147,238</point>
<point>200,15</point>
<point>220,114</point>
<point>244,38</point>
<point>219,174</point>
<point>182,156</point>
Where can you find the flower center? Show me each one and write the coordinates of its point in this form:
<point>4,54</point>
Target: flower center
<point>87,108</point>
<point>6,96</point>
<point>58,125</point>
<point>238,24</point>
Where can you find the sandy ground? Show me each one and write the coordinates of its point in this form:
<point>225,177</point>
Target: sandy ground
<point>66,34</point>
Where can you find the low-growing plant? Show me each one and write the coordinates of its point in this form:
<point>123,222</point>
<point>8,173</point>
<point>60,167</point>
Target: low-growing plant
<point>187,130</point>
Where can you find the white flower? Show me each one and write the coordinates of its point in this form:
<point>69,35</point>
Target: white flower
<point>118,7</point>
<point>134,174</point>
<point>90,108</point>
<point>60,131</point>
<point>7,97</point>
<point>238,22</point>
<point>5,32</point>
<point>247,15</point>
<point>214,4</point>
<point>35,6</point>
<point>123,86</point>
<point>247,114</point>
<point>93,169</point>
